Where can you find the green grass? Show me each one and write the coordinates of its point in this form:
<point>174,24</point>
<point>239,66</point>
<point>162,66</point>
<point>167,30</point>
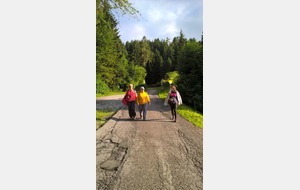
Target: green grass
<point>191,115</point>
<point>102,116</point>
<point>185,111</point>
<point>162,93</point>
<point>109,94</point>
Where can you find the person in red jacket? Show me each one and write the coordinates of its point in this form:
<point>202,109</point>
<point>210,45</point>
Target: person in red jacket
<point>130,98</point>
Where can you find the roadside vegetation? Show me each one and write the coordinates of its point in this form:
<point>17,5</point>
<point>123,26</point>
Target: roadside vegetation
<point>102,116</point>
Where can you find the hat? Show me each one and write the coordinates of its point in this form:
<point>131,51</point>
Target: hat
<point>142,88</point>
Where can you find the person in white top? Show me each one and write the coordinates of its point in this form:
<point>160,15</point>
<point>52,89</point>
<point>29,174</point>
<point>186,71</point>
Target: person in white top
<point>173,100</point>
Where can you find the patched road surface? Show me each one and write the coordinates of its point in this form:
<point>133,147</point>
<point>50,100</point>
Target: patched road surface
<point>156,154</point>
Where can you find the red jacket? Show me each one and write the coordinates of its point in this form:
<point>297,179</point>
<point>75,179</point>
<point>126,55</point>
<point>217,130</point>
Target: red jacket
<point>130,95</point>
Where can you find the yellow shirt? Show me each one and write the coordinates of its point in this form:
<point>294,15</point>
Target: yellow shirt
<point>143,98</point>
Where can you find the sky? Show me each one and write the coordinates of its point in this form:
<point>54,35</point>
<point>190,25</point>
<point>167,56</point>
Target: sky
<point>162,19</point>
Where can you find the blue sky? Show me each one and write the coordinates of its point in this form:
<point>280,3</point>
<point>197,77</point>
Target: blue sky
<point>162,19</point>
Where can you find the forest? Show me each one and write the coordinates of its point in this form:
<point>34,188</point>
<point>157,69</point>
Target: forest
<point>157,62</point>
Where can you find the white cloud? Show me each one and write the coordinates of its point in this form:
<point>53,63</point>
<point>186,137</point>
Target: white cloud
<point>154,15</point>
<point>162,19</point>
<point>138,32</point>
<point>130,32</point>
<point>171,30</point>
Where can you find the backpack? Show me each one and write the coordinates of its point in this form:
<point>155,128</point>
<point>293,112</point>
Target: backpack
<point>172,99</point>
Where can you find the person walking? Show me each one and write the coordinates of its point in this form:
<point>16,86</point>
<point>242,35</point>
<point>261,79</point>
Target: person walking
<point>129,99</point>
<point>173,100</point>
<point>143,100</point>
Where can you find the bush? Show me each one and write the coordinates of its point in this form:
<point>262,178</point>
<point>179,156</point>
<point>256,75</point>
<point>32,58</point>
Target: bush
<point>171,77</point>
<point>166,85</point>
<point>124,86</point>
<point>101,87</point>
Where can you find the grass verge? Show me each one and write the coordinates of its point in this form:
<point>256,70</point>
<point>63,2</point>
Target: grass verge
<point>185,111</point>
<point>191,115</point>
<point>102,116</point>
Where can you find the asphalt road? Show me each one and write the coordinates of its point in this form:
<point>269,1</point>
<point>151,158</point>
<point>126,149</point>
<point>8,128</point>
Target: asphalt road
<point>156,154</point>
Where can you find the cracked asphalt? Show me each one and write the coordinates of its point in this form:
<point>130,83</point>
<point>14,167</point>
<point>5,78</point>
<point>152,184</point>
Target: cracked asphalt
<point>156,154</point>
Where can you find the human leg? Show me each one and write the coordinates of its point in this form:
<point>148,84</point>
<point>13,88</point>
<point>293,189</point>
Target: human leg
<point>129,104</point>
<point>172,111</point>
<point>140,110</point>
<point>175,113</point>
<point>145,111</point>
<point>133,110</point>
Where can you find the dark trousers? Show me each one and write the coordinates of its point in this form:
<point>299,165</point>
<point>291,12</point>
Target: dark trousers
<point>131,109</point>
<point>173,110</point>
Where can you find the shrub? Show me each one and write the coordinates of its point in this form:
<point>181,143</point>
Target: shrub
<point>101,87</point>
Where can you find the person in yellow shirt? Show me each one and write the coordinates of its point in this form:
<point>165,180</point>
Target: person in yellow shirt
<point>143,100</point>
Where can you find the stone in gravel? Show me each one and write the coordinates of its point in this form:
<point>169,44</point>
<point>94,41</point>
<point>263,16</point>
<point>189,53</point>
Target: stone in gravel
<point>110,165</point>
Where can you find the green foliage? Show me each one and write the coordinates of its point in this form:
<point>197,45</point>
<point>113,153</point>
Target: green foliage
<point>136,74</point>
<point>190,82</point>
<point>172,77</point>
<point>124,7</point>
<point>120,6</point>
<point>139,52</point>
<point>102,116</point>
<point>101,87</point>
<point>163,92</point>
<point>158,56</point>
<point>154,68</point>
<point>177,44</point>
<point>111,55</point>
<point>191,115</point>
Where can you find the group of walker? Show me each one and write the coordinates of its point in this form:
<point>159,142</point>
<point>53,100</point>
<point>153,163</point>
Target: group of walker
<point>143,100</point>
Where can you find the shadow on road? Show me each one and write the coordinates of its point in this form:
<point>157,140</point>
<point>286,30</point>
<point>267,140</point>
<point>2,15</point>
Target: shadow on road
<point>139,120</point>
<point>156,105</point>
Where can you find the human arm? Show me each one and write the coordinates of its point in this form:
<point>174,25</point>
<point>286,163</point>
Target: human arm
<point>137,100</point>
<point>148,99</point>
<point>179,98</point>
